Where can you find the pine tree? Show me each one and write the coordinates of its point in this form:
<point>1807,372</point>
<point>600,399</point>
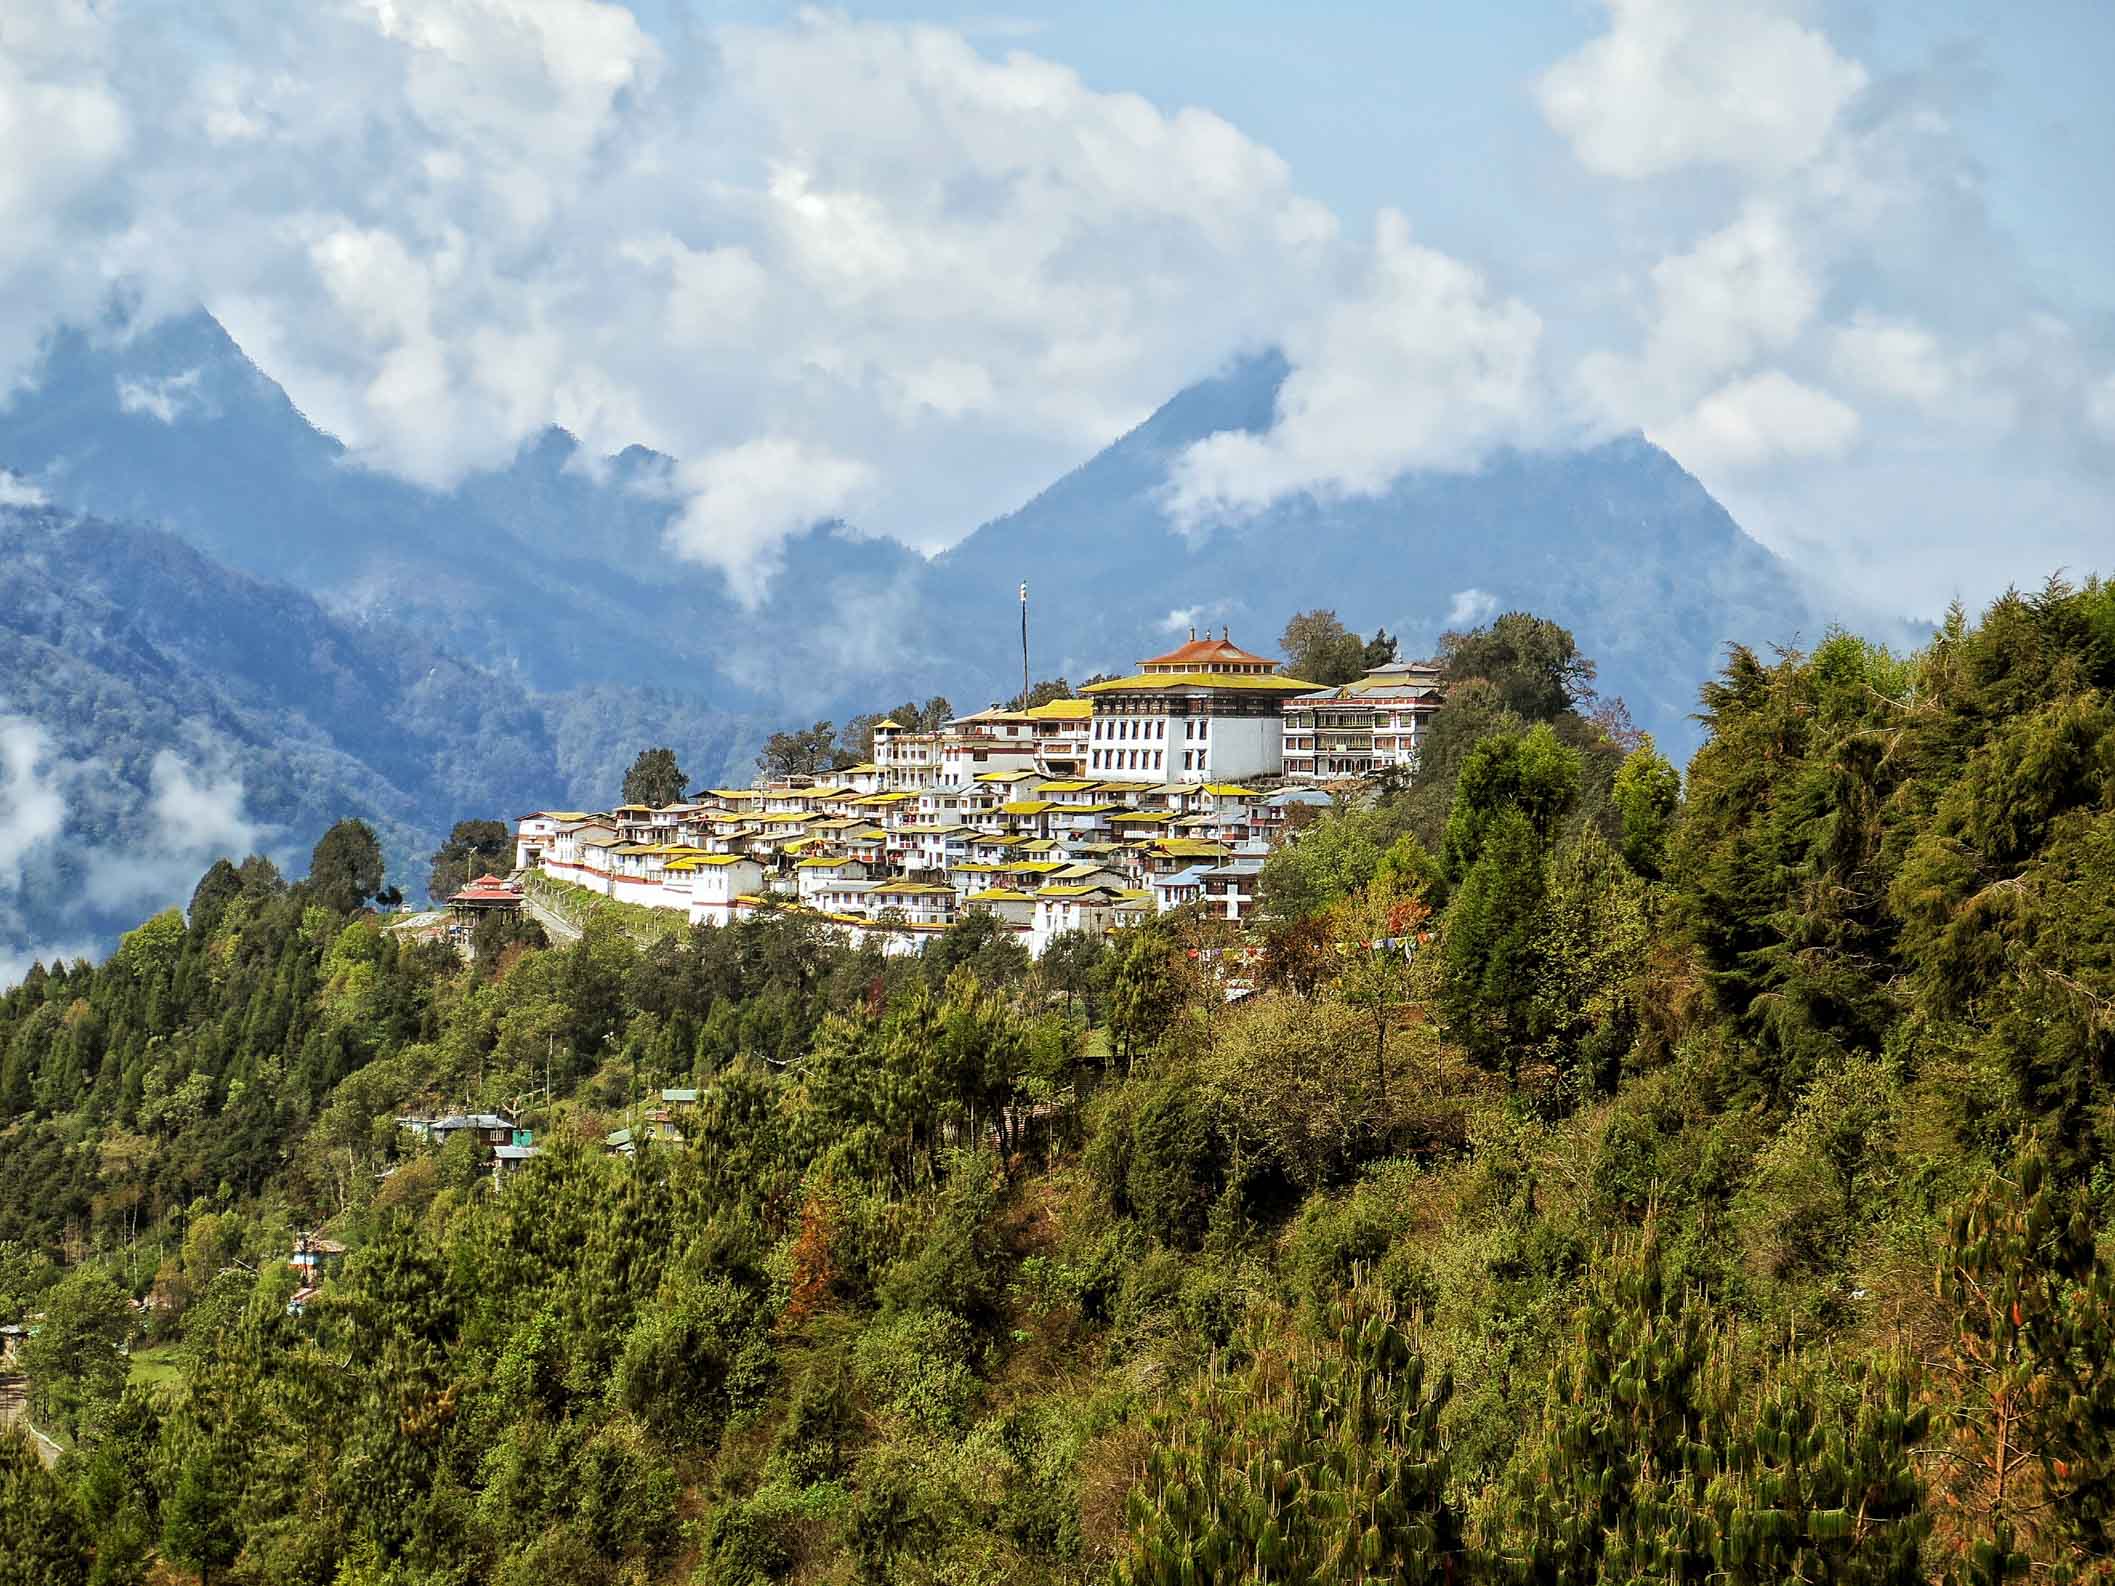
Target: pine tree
<point>43,1539</point>
<point>1328,1466</point>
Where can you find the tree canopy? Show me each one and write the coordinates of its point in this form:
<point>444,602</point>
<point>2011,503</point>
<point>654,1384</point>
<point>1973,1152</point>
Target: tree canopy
<point>655,779</point>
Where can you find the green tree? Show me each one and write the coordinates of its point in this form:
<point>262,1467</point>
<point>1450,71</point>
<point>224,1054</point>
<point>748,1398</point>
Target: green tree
<point>1533,663</point>
<point>216,889</point>
<point>198,1513</point>
<point>1145,992</point>
<point>802,752</point>
<point>1321,650</point>
<point>1647,794</point>
<point>345,869</point>
<point>1488,945</point>
<point>1381,649</point>
<point>1042,692</point>
<point>474,848</point>
<point>1532,773</point>
<point>1330,1467</point>
<point>655,778</point>
<point>74,1359</point>
<point>2031,1372</point>
<point>43,1539</point>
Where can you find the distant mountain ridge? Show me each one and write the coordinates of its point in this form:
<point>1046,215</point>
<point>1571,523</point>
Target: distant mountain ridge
<point>546,590</point>
<point>179,703</point>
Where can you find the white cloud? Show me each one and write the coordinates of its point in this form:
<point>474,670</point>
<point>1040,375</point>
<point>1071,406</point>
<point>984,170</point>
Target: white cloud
<point>1673,84</point>
<point>193,815</point>
<point>15,491</point>
<point>1744,290</point>
<point>1470,607</point>
<point>167,399</point>
<point>1421,366</point>
<point>1759,419</point>
<point>2100,407</point>
<point>32,797</point>
<point>743,501</point>
<point>1892,357</point>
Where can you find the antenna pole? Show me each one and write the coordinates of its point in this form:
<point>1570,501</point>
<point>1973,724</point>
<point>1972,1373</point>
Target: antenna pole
<point>1024,644</point>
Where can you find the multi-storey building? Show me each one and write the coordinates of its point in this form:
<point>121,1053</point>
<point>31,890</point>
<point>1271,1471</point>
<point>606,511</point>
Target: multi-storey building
<point>1374,721</point>
<point>1208,710</point>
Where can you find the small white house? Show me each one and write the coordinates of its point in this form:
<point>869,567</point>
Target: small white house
<point>716,881</point>
<point>821,873</point>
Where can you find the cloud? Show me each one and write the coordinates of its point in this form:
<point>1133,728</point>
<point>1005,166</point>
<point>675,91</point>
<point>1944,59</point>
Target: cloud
<point>192,816</point>
<point>1759,419</point>
<point>1856,360</point>
<point>1744,290</point>
<point>2100,406</point>
<point>15,491</point>
<point>167,399</point>
<point>1893,357</point>
<point>1470,607</point>
<point>831,263</point>
<point>1421,366</point>
<point>1673,84</point>
<point>32,797</point>
<point>745,500</point>
<point>72,827</point>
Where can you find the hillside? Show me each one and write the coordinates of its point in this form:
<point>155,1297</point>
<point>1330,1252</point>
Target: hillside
<point>1610,1178</point>
<point>554,567</point>
<point>167,704</point>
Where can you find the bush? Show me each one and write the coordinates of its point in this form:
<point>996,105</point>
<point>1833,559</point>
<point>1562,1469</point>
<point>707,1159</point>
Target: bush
<point>744,1546</point>
<point>917,1365</point>
<point>1174,1173</point>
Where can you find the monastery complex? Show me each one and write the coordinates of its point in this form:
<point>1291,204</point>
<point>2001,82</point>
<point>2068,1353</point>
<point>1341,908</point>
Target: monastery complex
<point>1145,793</point>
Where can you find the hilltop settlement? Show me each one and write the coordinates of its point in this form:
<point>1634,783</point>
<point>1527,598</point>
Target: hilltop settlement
<point>1142,794</point>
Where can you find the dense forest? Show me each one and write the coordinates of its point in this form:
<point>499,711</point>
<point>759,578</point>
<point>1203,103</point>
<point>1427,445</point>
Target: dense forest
<point>1619,1175</point>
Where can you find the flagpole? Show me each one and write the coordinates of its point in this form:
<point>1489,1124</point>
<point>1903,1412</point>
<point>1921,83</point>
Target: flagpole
<point>1024,644</point>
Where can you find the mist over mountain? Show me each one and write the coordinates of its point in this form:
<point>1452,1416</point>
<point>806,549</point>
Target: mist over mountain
<point>158,709</point>
<point>329,639</point>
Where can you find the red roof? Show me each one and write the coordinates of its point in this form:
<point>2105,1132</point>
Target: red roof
<point>1205,653</point>
<point>488,889</point>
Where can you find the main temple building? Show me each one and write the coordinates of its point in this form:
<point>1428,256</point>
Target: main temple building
<point>1208,711</point>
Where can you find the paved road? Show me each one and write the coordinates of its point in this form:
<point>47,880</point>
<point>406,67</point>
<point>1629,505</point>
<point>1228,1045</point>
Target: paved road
<point>561,933</point>
<point>14,1407</point>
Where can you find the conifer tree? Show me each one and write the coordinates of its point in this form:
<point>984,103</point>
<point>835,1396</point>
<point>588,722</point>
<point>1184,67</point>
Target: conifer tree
<point>43,1539</point>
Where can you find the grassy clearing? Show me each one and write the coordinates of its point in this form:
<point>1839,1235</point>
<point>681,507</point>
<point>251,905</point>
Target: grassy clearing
<point>157,1366</point>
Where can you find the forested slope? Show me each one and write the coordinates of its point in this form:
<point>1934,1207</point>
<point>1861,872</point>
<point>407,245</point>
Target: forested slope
<point>1717,1193</point>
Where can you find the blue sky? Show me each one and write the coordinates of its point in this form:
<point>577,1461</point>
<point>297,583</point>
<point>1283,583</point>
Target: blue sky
<point>1847,262</point>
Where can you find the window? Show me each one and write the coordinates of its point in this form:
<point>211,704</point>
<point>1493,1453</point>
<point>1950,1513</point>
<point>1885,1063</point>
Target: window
<point>1156,759</point>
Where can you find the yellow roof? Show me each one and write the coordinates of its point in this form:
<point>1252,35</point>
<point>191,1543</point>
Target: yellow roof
<point>1000,895</point>
<point>913,889</point>
<point>1132,817</point>
<point>864,766</point>
<point>1062,710</point>
<point>891,723</point>
<point>1230,790</point>
<point>817,861</point>
<point>883,798</point>
<point>1259,682</point>
<point>782,818</point>
<point>736,793</point>
<point>1066,785</point>
<point>699,861</point>
<point>1002,776</point>
<point>1024,807</point>
<point>1081,891</point>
